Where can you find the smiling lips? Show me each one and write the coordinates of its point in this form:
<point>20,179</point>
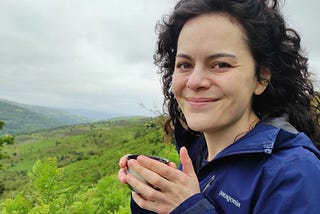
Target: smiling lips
<point>197,102</point>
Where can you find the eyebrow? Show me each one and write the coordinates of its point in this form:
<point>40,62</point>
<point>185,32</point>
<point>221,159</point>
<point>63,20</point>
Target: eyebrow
<point>212,56</point>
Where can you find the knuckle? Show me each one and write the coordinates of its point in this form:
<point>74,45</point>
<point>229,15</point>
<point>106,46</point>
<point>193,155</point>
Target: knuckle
<point>152,194</point>
<point>157,181</point>
<point>143,205</point>
<point>163,210</point>
<point>166,170</point>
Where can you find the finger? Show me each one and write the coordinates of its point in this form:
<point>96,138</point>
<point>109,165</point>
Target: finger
<point>141,187</point>
<point>151,176</point>
<point>152,205</point>
<point>144,203</point>
<point>187,166</point>
<point>150,163</point>
<point>157,168</point>
<point>160,175</point>
<point>122,176</point>
<point>123,166</point>
<point>123,161</point>
<point>173,165</point>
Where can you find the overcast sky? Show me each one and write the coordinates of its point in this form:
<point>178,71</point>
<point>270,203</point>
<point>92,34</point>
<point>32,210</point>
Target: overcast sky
<point>97,54</point>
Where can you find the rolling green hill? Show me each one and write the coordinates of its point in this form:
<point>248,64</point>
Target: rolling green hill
<point>88,155</point>
<point>20,118</point>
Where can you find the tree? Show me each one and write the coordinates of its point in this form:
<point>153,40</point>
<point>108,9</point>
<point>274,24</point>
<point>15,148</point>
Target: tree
<point>4,139</point>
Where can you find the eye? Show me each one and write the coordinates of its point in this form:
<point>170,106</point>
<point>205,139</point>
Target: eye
<point>221,66</point>
<point>184,66</point>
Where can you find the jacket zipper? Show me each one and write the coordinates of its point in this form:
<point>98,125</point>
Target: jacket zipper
<point>208,183</point>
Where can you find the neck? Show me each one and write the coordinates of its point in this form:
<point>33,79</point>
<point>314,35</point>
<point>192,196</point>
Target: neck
<point>220,139</point>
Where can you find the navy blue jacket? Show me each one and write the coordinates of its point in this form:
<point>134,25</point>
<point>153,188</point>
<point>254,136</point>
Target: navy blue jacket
<point>272,169</point>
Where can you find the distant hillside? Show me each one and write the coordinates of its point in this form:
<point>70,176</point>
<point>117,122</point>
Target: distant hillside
<point>20,118</point>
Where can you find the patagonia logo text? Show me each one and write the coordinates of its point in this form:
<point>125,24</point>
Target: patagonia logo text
<point>229,199</point>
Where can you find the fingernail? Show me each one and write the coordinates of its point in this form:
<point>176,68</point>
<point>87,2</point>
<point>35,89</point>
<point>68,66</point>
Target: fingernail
<point>131,163</point>
<point>141,157</point>
<point>128,177</point>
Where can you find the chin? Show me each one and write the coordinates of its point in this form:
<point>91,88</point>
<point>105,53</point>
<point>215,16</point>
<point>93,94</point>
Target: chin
<point>196,127</point>
<point>198,122</point>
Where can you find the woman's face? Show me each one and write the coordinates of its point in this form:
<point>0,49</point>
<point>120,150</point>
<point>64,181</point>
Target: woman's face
<point>214,77</point>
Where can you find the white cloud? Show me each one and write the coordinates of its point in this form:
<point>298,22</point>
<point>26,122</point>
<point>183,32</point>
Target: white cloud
<point>97,54</point>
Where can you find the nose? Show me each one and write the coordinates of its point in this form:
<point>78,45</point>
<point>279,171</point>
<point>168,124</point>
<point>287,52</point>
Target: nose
<point>198,79</point>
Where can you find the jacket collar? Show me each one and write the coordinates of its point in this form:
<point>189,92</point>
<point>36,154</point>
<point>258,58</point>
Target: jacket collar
<point>267,136</point>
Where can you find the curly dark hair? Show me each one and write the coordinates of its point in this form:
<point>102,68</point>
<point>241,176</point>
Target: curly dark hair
<point>272,45</point>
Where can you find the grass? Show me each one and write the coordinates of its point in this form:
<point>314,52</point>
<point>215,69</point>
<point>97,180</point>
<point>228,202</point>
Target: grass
<point>87,152</point>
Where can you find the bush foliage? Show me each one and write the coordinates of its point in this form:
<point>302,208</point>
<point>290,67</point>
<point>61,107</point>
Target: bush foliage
<point>49,194</point>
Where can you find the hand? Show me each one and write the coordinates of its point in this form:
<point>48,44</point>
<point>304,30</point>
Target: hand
<point>172,186</point>
<point>123,167</point>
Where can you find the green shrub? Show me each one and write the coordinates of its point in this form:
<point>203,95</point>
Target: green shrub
<point>20,204</point>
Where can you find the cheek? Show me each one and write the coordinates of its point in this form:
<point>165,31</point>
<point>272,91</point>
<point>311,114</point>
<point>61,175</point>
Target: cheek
<point>238,89</point>
<point>242,83</point>
<point>178,84</point>
<point>243,91</point>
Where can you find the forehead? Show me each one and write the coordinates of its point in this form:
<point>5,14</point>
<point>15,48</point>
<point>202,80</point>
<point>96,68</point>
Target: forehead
<point>213,20</point>
<point>216,29</point>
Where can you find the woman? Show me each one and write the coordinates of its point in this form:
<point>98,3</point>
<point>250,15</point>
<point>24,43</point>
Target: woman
<point>241,108</point>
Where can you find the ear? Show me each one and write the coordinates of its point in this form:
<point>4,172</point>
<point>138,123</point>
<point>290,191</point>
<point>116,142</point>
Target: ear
<point>263,80</point>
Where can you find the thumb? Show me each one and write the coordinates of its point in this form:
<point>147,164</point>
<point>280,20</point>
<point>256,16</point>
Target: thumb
<point>186,162</point>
